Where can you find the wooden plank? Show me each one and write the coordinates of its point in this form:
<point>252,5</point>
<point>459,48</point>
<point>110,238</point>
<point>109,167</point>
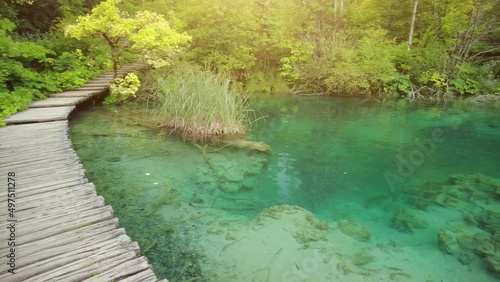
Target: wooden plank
<point>26,183</point>
<point>15,154</point>
<point>84,233</point>
<point>40,115</point>
<point>55,224</point>
<point>97,83</point>
<point>77,93</point>
<point>126,269</point>
<point>69,246</point>
<point>45,159</point>
<point>146,275</point>
<point>31,144</point>
<point>43,165</point>
<point>77,267</point>
<point>96,89</point>
<point>57,102</point>
<point>52,186</point>
<point>62,226</point>
<point>30,127</point>
<point>56,207</point>
<point>72,241</point>
<point>31,202</point>
<point>94,262</point>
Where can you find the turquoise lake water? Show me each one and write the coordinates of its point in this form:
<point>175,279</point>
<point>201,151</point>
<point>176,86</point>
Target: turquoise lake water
<point>353,190</point>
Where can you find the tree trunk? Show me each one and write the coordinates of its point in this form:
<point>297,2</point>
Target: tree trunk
<point>114,58</point>
<point>412,25</point>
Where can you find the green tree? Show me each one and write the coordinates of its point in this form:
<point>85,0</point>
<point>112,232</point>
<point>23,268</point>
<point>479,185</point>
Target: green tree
<point>146,34</point>
<point>225,34</point>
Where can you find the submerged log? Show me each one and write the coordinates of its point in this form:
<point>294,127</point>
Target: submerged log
<point>250,145</point>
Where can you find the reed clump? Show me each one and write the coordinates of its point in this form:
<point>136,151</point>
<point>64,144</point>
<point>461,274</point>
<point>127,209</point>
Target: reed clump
<point>194,102</point>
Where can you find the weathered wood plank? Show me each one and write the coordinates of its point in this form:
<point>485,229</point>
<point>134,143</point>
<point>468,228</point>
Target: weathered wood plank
<point>41,161</point>
<point>57,206</point>
<point>29,127</point>
<point>123,270</point>
<point>40,115</point>
<point>146,275</point>
<point>81,242</point>
<point>77,93</point>
<point>94,262</point>
<point>80,266</point>
<point>40,184</point>
<point>57,102</point>
<point>13,155</point>
<point>97,89</point>
<point>61,226</point>
<point>71,193</point>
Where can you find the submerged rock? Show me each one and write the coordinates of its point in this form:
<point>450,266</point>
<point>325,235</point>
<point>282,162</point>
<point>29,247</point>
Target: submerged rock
<point>407,220</point>
<point>362,258</point>
<point>460,191</point>
<point>114,159</point>
<point>490,221</point>
<point>249,145</point>
<point>355,230</point>
<point>462,242</point>
<point>490,250</point>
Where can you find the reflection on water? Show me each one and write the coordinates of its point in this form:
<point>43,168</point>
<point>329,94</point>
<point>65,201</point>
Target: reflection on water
<point>397,191</point>
<point>286,180</point>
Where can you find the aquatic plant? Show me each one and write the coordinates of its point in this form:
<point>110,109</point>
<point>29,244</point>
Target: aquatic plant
<point>362,258</point>
<point>407,220</point>
<point>462,242</point>
<point>196,103</point>
<point>355,230</point>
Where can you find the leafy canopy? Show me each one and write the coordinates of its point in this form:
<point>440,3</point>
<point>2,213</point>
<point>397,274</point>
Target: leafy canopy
<point>146,33</point>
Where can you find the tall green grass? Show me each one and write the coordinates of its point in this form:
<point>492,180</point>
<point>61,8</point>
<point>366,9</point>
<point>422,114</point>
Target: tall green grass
<point>196,103</point>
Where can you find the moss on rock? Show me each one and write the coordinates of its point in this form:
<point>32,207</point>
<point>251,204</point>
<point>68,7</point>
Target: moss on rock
<point>407,220</point>
<point>355,230</point>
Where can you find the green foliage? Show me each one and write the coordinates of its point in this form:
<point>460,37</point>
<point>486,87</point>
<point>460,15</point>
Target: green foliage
<point>433,78</point>
<point>399,85</point>
<point>123,89</point>
<point>225,34</point>
<point>11,102</point>
<point>146,34</point>
<point>465,86</point>
<point>342,64</point>
<point>195,102</point>
<point>28,70</point>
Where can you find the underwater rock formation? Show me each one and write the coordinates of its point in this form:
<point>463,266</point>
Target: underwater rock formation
<point>462,242</point>
<point>460,191</point>
<point>407,220</point>
<point>489,220</point>
<point>307,228</point>
<point>232,172</point>
<point>355,230</point>
<point>248,145</point>
<point>476,197</point>
<point>490,250</point>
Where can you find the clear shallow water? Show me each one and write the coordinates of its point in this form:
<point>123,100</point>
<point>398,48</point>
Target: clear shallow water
<point>225,214</point>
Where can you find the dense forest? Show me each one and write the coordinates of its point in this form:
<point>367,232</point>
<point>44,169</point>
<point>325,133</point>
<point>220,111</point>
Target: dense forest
<point>416,48</point>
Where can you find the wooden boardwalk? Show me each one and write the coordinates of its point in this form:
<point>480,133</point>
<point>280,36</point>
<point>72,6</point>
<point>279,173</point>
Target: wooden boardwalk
<point>57,228</point>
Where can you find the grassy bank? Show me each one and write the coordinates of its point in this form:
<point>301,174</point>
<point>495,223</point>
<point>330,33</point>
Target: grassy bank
<point>196,103</point>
